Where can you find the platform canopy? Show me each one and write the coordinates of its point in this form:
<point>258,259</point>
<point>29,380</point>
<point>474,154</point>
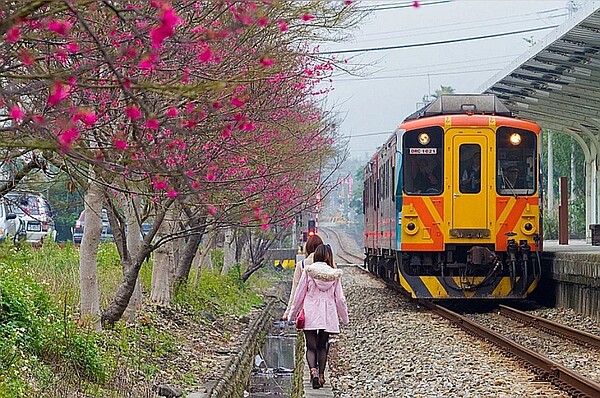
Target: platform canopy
<point>557,84</point>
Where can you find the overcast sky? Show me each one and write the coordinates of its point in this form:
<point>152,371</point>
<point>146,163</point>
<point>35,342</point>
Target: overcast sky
<point>374,105</point>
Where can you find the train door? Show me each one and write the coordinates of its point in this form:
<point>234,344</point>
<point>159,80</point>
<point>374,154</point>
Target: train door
<point>469,179</point>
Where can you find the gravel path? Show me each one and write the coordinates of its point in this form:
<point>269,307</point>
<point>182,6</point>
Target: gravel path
<point>393,348</point>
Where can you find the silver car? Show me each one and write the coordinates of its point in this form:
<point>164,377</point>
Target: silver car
<point>34,218</point>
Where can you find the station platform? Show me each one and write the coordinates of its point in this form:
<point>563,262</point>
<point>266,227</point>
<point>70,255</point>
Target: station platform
<point>310,392</point>
<point>573,246</point>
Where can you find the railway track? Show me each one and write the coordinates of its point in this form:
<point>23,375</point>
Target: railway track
<point>340,250</point>
<point>546,369</point>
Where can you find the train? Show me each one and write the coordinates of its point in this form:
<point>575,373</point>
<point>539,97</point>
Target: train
<point>452,202</point>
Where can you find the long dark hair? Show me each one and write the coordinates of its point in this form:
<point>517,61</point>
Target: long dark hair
<point>312,243</point>
<point>324,254</point>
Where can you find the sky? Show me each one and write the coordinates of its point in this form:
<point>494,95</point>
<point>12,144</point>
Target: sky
<point>372,105</point>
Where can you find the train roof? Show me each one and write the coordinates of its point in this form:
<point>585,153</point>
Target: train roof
<point>456,104</point>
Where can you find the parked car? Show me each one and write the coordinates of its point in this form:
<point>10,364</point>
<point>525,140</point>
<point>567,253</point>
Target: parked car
<point>34,219</point>
<point>8,220</point>
<point>107,233</point>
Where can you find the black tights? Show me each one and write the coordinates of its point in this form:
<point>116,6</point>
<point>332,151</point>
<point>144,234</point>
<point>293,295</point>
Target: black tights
<point>316,348</point>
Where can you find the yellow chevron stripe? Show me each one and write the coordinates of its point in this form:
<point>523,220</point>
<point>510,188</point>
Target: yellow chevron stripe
<point>433,211</point>
<point>406,286</point>
<point>435,287</point>
<point>507,209</point>
<point>503,288</point>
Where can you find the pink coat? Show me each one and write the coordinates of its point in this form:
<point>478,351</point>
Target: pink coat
<point>320,293</point>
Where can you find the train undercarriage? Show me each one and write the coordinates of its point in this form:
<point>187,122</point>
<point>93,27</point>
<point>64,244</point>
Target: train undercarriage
<point>461,271</point>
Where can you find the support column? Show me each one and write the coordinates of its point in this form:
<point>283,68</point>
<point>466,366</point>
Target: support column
<point>563,213</point>
<point>550,181</point>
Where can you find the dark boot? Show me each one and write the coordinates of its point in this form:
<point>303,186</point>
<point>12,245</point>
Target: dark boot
<point>314,377</point>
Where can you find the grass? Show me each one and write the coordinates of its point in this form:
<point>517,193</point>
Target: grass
<point>46,352</point>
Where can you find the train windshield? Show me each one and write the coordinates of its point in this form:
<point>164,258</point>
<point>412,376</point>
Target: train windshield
<point>423,151</point>
<point>516,161</point>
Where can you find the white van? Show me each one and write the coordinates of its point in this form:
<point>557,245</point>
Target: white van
<point>8,221</point>
<point>35,221</point>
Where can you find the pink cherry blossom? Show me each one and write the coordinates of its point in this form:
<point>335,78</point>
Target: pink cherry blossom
<point>266,62</point>
<point>168,21</point>
<point>16,113</point>
<point>87,116</point>
<point>26,57</point>
<point>152,124</point>
<point>172,112</point>
<point>212,210</point>
<point>205,55</point>
<point>282,26</point>
<point>307,17</point>
<point>13,34</point>
<point>60,27</point>
<point>172,193</point>
<point>158,184</point>
<point>67,137</point>
<point>237,102</point>
<point>264,227</point>
<point>58,92</point>
<point>73,47</point>
<point>416,4</point>
<point>119,144</point>
<point>133,112</point>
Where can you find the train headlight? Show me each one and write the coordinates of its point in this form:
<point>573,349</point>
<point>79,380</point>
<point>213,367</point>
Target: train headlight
<point>424,138</point>
<point>411,228</point>
<point>515,139</point>
<point>528,228</point>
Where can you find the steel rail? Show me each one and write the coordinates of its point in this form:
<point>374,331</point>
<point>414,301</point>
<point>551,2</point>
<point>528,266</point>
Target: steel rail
<point>345,254</point>
<point>562,377</point>
<point>551,326</point>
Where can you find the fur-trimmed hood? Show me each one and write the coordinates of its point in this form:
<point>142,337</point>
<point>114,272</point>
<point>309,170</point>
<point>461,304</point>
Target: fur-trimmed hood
<point>323,275</point>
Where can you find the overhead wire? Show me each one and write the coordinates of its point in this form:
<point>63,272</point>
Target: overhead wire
<point>433,43</point>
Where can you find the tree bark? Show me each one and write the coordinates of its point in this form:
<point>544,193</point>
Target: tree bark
<point>115,310</point>
<point>134,246</point>
<point>88,255</point>
<point>182,272</point>
<point>228,251</point>
<point>163,265</point>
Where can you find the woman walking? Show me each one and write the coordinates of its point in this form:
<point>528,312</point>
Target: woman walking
<point>321,296</point>
<point>311,244</point>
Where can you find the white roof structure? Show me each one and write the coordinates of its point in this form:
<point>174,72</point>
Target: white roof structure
<point>557,84</point>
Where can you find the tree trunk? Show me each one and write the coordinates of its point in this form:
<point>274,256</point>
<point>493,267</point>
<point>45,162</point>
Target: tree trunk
<point>116,308</point>
<point>163,265</point>
<point>182,272</point>
<point>88,255</point>
<point>204,260</point>
<point>134,246</point>
<point>228,251</point>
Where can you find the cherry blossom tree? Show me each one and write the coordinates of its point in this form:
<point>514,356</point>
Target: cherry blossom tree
<point>206,109</point>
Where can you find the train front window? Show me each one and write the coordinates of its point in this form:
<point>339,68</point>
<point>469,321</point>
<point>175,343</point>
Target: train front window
<point>423,161</point>
<point>516,161</point>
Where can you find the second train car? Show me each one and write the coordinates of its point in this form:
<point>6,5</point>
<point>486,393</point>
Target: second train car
<point>452,202</point>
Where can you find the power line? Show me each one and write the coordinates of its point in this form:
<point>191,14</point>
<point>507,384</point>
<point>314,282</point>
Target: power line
<point>368,134</point>
<point>383,7</point>
<point>436,42</point>
<point>465,25</point>
<point>419,75</point>
<point>462,28</point>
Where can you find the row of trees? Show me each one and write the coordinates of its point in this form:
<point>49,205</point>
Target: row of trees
<point>194,116</point>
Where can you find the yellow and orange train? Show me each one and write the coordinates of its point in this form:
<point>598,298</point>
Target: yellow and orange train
<point>452,202</point>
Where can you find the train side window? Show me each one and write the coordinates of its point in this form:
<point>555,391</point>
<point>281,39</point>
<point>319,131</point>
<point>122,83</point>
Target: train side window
<point>422,162</point>
<point>470,168</point>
